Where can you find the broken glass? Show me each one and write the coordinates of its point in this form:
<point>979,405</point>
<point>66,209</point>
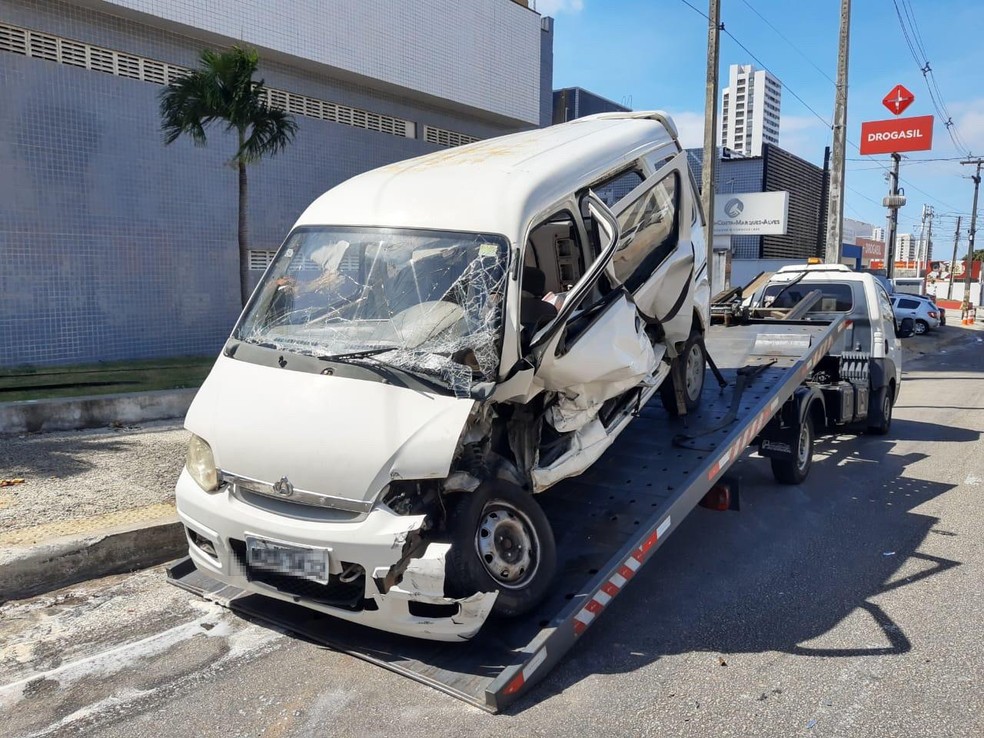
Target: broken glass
<point>427,302</point>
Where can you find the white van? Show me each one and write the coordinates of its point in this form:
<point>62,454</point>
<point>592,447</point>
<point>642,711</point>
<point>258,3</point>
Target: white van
<point>436,341</point>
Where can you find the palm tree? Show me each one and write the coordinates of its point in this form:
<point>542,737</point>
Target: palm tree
<point>223,89</point>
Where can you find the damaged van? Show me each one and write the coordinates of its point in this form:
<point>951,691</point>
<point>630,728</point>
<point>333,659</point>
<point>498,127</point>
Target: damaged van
<point>435,343</point>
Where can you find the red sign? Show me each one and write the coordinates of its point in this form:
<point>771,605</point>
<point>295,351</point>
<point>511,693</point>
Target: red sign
<point>899,134</point>
<point>898,100</point>
<point>871,249</point>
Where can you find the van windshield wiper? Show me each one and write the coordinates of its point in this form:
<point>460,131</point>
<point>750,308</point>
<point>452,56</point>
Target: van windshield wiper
<point>356,354</point>
<point>424,376</point>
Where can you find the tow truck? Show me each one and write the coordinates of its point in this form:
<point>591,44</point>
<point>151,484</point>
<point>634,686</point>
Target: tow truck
<point>786,368</point>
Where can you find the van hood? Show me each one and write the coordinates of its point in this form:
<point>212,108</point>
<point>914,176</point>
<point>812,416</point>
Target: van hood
<point>327,434</point>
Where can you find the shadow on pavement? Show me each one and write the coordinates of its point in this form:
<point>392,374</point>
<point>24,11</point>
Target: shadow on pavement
<point>782,574</point>
<point>54,457</point>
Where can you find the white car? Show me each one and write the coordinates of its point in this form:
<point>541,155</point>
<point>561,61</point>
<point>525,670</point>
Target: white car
<point>923,312</point>
<point>435,342</point>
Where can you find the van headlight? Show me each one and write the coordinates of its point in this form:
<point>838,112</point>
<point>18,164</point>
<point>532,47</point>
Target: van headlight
<point>201,464</point>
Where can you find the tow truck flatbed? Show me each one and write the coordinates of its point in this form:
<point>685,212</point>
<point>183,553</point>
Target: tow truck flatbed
<point>608,523</point>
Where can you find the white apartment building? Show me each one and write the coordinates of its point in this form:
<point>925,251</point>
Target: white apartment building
<point>750,110</point>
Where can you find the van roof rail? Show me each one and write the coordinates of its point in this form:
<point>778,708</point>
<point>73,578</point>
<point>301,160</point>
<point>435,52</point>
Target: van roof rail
<point>658,115</point>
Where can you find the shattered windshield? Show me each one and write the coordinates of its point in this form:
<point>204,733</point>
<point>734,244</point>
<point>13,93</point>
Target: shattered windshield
<point>426,302</point>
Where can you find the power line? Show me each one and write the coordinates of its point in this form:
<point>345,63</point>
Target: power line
<point>762,64</point>
<point>910,32</point>
<point>791,44</point>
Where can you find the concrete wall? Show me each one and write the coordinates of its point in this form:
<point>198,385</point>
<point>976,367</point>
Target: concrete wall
<point>114,246</point>
<point>478,53</point>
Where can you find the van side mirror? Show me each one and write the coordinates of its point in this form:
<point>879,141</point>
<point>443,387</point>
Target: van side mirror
<point>905,329</point>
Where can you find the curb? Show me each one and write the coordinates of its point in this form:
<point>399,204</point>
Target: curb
<point>29,571</point>
<point>95,411</point>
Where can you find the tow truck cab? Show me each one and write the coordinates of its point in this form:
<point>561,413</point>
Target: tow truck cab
<point>856,381</point>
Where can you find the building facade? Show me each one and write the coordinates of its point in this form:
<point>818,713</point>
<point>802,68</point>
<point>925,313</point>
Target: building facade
<point>113,246</point>
<point>576,102</point>
<point>750,110</point>
<point>776,170</point>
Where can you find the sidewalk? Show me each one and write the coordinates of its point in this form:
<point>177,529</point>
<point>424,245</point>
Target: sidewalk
<point>91,503</point>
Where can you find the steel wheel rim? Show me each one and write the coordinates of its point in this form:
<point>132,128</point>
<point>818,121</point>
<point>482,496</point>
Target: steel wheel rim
<point>695,372</point>
<point>507,545</point>
<point>803,448</point>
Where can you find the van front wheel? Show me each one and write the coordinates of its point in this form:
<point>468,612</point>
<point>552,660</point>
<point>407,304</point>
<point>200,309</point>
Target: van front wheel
<point>500,541</point>
<point>694,362</point>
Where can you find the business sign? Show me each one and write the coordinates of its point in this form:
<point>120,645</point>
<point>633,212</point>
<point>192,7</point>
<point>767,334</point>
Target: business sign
<point>896,135</point>
<point>871,249</point>
<point>751,214</point>
<point>898,100</point>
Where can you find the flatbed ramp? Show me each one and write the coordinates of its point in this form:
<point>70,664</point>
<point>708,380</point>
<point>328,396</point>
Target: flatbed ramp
<point>608,523</point>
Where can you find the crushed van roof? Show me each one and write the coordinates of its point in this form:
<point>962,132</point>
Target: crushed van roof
<point>496,184</point>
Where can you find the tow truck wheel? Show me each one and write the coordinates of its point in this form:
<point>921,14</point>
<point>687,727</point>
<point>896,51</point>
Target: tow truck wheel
<point>797,469</point>
<point>883,402</point>
<point>500,541</point>
<point>694,369</point>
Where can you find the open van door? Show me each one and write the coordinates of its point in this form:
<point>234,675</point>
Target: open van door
<point>592,352</point>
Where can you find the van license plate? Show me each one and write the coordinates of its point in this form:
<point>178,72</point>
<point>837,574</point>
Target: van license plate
<point>295,561</point>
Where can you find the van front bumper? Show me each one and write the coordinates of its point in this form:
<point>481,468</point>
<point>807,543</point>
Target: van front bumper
<point>217,524</point>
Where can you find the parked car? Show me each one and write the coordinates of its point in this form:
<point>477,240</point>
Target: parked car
<point>436,341</point>
<point>923,312</point>
<point>941,311</point>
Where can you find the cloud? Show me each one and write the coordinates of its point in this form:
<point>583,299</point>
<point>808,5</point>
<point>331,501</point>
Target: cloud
<point>968,117</point>
<point>553,7</point>
<point>804,135</point>
<point>690,127</point>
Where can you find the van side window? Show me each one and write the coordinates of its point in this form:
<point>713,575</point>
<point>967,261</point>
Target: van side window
<point>615,188</point>
<point>648,231</point>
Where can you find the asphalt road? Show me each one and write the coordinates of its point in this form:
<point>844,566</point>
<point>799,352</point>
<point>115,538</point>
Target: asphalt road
<point>850,606</point>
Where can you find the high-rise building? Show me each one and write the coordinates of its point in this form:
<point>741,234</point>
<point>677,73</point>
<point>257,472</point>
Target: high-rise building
<point>750,110</point>
<point>905,244</point>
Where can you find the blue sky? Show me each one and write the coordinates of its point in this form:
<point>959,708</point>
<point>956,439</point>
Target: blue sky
<point>651,54</point>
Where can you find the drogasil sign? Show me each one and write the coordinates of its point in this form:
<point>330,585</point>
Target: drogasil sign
<point>897,135</point>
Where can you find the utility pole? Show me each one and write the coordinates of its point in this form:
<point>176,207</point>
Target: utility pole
<point>971,233</point>
<point>709,161</point>
<point>925,237</point>
<point>822,211</point>
<point>893,202</point>
<point>928,251</point>
<point>835,201</point>
<point>953,260</point>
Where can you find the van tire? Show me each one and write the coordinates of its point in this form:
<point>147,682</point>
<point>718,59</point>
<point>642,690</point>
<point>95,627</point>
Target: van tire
<point>694,371</point>
<point>881,408</point>
<point>501,541</point>
<point>797,469</point>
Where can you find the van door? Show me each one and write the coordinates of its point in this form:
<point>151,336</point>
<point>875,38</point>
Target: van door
<point>655,258</point>
<point>600,348</point>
